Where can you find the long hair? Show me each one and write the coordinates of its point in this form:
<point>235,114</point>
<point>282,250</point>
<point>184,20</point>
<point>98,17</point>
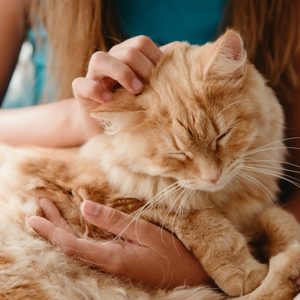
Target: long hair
<point>75,30</point>
<point>271,31</point>
<point>78,28</point>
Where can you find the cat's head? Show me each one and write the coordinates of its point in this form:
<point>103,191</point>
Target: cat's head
<point>203,109</point>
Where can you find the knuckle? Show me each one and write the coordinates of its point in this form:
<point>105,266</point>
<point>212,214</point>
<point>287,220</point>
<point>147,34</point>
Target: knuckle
<point>76,84</point>
<point>142,42</point>
<point>83,89</point>
<point>114,48</point>
<point>130,54</point>
<point>68,246</point>
<point>79,90</point>
<point>117,265</point>
<point>111,215</point>
<point>97,58</point>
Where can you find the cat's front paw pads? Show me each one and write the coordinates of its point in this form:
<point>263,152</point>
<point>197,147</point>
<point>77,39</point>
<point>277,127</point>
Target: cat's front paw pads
<point>236,280</point>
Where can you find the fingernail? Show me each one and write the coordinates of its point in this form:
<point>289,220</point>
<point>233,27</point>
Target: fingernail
<point>90,208</point>
<point>32,221</point>
<point>107,96</point>
<point>43,202</point>
<point>137,85</point>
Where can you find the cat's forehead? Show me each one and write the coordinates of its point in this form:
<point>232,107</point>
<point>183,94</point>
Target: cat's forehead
<point>197,106</point>
<point>184,93</point>
<point>195,125</point>
<point>180,78</point>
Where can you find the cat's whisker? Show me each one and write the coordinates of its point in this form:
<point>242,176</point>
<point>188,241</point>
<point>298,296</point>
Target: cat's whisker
<point>266,149</point>
<point>172,188</point>
<point>271,161</point>
<point>181,201</point>
<point>278,141</point>
<point>258,183</point>
<point>171,208</point>
<point>229,187</point>
<point>156,200</point>
<point>180,207</point>
<point>168,213</point>
<point>275,168</point>
<point>166,190</point>
<point>161,217</point>
<point>272,143</point>
<point>158,196</point>
<point>233,167</point>
<point>278,175</point>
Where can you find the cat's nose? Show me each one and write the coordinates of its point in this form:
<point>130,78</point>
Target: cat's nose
<point>212,177</point>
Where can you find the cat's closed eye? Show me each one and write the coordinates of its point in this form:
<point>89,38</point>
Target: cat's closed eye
<point>184,155</point>
<point>220,139</point>
<point>221,136</point>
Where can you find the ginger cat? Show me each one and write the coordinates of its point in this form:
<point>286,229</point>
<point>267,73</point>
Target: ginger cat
<point>192,146</point>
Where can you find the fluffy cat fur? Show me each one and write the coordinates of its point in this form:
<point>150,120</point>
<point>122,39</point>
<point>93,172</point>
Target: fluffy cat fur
<point>199,135</point>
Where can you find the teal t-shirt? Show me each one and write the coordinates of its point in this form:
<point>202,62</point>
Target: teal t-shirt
<point>31,75</point>
<point>164,21</point>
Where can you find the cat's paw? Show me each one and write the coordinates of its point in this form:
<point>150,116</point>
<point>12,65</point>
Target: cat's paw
<point>240,280</point>
<point>281,281</point>
<point>286,265</point>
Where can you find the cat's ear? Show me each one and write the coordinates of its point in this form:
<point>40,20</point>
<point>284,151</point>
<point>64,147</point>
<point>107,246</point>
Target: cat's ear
<point>228,56</point>
<point>123,112</point>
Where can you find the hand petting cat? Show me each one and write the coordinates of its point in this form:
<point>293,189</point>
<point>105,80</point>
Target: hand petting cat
<point>146,253</point>
<point>128,64</point>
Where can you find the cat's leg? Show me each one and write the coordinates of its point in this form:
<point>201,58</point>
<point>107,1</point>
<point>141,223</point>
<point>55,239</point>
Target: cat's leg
<point>222,250</point>
<point>280,229</point>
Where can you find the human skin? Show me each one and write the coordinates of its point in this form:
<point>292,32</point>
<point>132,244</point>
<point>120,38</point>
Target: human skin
<point>16,125</point>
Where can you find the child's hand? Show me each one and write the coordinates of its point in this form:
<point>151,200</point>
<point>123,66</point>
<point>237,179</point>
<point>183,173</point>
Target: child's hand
<point>128,64</point>
<point>148,254</point>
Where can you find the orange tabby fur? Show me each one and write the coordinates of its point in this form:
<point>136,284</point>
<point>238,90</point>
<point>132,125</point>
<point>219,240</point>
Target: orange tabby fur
<point>197,134</point>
